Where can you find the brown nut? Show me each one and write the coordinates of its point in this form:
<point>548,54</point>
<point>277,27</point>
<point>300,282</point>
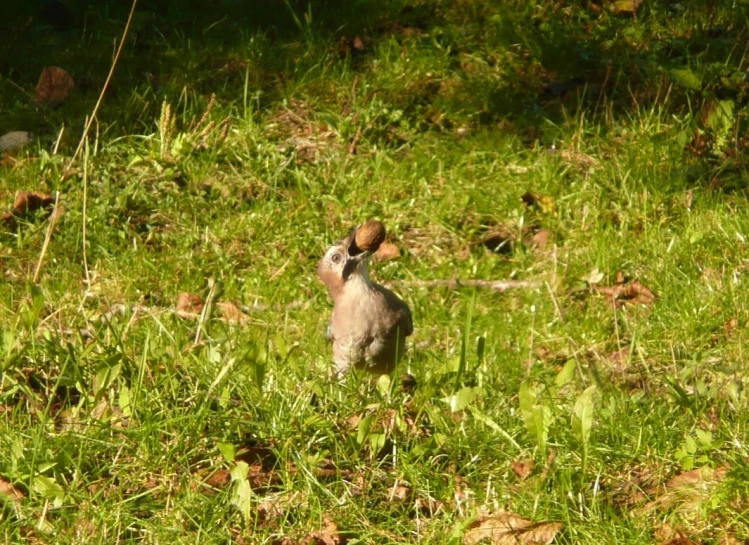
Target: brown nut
<point>369,236</point>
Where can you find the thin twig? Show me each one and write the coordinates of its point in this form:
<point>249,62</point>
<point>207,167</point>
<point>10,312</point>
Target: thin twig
<point>83,137</point>
<point>355,141</point>
<point>92,117</point>
<point>85,216</point>
<point>205,315</point>
<point>48,236</point>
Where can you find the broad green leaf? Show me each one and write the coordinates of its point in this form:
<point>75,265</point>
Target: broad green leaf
<point>687,78</point>
<point>377,441</point>
<point>124,401</point>
<point>536,416</point>
<point>9,348</point>
<point>704,437</point>
<point>48,487</point>
<point>721,117</point>
<point>363,428</point>
<point>282,347</point>
<point>242,497</point>
<point>105,376</point>
<point>462,398</point>
<point>240,471</point>
<point>582,415</point>
<point>383,385</point>
<point>566,374</point>
<point>227,450</point>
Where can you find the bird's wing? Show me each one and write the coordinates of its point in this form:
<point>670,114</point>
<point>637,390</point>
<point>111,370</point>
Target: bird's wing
<point>401,315</point>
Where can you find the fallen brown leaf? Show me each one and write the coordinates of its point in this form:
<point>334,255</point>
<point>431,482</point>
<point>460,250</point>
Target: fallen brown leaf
<point>541,238</point>
<point>620,357</point>
<point>275,506</point>
<point>218,479</point>
<point>258,454</point>
<point>400,493</point>
<point>53,87</point>
<point>26,203</point>
<point>681,541</point>
<point>9,491</point>
<point>386,251</point>
<point>686,491</point>
<point>31,201</point>
<point>189,305</point>
<point>503,528</point>
<point>523,467</point>
<point>230,313</point>
<point>327,536</point>
<point>700,477</point>
<point>620,293</point>
<point>357,44</point>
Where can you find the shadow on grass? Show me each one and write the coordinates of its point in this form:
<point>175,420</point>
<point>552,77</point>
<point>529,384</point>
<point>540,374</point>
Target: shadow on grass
<point>516,64</point>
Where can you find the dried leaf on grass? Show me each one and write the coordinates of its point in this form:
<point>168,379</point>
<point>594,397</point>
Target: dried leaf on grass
<point>10,492</point>
<point>540,239</point>
<point>217,480</point>
<point>328,535</point>
<point>681,541</point>
<point>300,132</point>
<point>431,239</point>
<point>189,305</point>
<point>387,251</point>
<point>683,494</point>
<point>230,313</point>
<point>399,493</point>
<point>275,506</point>
<point>689,488</point>
<point>503,528</point>
<point>53,87</point>
<point>634,292</point>
<point>27,202</point>
<point>523,467</point>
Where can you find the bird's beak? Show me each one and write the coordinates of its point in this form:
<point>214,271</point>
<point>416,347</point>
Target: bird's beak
<point>353,262</point>
<point>349,242</point>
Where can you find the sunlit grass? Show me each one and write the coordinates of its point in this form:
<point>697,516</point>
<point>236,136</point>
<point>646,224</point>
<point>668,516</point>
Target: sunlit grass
<point>115,426</point>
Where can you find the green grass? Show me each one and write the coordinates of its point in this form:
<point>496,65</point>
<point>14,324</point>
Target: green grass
<point>111,418</point>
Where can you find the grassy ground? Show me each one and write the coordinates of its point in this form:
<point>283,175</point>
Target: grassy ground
<point>603,152</point>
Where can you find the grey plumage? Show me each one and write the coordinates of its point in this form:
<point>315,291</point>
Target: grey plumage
<point>369,323</point>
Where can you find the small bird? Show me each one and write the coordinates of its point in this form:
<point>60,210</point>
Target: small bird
<point>369,324</point>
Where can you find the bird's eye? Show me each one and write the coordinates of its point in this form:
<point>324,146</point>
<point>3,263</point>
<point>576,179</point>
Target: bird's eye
<point>335,258</point>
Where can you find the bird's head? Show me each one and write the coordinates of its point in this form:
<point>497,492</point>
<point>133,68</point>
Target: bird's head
<point>342,263</point>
